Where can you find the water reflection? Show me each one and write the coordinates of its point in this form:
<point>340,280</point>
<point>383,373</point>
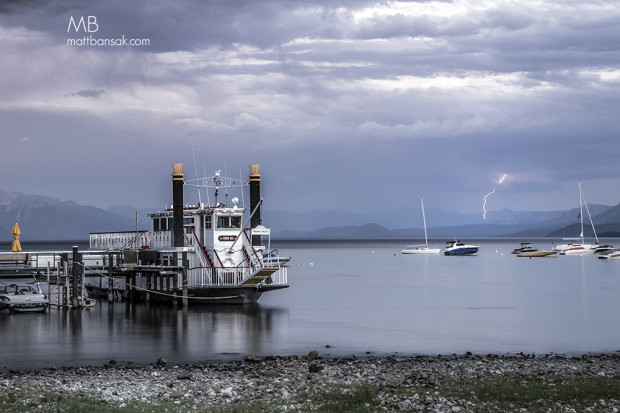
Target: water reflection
<point>139,333</point>
<point>356,297</point>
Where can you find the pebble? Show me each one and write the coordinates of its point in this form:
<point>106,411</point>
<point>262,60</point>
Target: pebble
<point>283,380</point>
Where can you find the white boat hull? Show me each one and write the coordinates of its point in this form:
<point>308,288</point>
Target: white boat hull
<point>578,250</point>
<point>537,253</point>
<point>421,250</point>
<point>610,255</point>
<point>23,299</point>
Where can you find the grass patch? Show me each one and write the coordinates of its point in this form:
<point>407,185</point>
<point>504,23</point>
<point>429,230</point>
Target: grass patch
<point>354,399</point>
<point>534,393</point>
<point>360,399</point>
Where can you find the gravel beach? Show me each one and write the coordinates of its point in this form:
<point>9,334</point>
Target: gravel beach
<point>287,383</point>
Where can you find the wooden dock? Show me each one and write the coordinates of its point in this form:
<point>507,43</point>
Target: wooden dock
<point>109,275</point>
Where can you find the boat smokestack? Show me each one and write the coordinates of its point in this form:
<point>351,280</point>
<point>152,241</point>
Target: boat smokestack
<point>177,204</point>
<point>255,200</point>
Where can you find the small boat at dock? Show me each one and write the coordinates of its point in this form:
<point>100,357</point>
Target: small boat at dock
<point>274,259</point>
<point>23,298</point>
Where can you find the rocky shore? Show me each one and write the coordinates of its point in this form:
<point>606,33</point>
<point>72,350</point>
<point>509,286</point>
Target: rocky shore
<point>291,383</point>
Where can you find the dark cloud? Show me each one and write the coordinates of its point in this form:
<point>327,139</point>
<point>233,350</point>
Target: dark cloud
<point>89,93</point>
<point>343,102</point>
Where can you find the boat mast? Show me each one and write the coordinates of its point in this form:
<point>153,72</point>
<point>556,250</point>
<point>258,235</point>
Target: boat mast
<point>581,212</point>
<point>424,219</point>
<point>590,217</point>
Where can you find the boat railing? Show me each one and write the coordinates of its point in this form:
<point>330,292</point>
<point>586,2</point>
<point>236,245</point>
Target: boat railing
<point>119,240</point>
<point>280,277</point>
<point>231,276</point>
<point>217,276</point>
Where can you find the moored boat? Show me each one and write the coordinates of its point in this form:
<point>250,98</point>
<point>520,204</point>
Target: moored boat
<point>207,254</point>
<point>22,298</point>
<point>421,249</point>
<point>460,248</point>
<point>599,249</point>
<point>579,247</point>
<point>536,253</point>
<point>610,254</point>
<point>525,247</point>
<point>274,259</point>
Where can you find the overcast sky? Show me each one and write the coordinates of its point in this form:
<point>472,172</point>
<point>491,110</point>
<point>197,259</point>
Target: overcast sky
<point>363,105</point>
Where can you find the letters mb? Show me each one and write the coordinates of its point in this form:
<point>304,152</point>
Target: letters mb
<point>89,25</point>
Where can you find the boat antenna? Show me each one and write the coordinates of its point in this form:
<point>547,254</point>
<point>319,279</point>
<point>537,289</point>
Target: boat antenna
<point>242,191</point>
<point>196,170</point>
<point>204,171</point>
<point>225,175</point>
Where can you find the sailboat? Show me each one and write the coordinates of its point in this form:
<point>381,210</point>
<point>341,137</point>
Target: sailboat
<point>578,246</point>
<point>421,249</point>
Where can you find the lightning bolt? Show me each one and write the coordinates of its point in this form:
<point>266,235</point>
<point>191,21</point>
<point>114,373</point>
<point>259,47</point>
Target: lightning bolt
<point>484,206</point>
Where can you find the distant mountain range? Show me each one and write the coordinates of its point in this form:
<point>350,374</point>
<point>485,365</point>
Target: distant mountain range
<point>46,218</point>
<point>407,223</point>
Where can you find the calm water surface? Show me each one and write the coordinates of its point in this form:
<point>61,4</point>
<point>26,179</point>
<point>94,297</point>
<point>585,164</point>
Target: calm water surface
<point>355,297</point>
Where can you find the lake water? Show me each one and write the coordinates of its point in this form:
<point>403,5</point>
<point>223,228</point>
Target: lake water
<point>352,297</point>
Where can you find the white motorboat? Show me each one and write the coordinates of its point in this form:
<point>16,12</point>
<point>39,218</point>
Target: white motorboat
<point>599,249</point>
<point>525,247</point>
<point>273,259</point>
<point>536,253</point>
<point>421,249</point>
<point>460,248</point>
<point>610,254</point>
<point>23,298</point>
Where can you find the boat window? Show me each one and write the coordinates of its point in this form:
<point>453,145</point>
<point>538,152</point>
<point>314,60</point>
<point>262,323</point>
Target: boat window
<point>222,222</point>
<point>207,221</point>
<point>235,222</point>
<point>155,224</point>
<point>188,222</point>
<point>228,222</point>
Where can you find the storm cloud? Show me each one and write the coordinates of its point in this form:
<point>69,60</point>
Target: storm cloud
<point>346,104</point>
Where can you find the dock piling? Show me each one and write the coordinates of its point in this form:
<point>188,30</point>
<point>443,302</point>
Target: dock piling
<point>110,279</point>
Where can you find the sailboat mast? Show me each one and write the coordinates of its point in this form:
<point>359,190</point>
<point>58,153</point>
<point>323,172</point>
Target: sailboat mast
<point>590,217</point>
<point>581,211</point>
<point>424,219</point>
